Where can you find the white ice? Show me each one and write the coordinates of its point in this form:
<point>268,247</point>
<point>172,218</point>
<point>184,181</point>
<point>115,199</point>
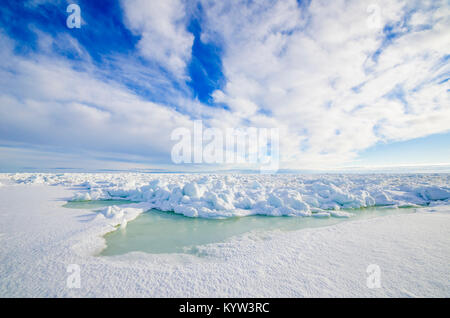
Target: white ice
<point>39,239</point>
<point>212,196</point>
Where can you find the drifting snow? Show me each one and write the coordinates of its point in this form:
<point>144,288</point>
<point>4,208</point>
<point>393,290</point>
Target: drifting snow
<point>221,196</point>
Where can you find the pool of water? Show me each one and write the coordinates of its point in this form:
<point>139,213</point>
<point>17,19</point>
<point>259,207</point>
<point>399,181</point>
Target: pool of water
<point>166,232</point>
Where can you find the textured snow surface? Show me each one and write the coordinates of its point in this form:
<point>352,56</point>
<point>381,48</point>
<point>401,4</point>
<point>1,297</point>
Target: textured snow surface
<point>240,195</point>
<point>39,239</point>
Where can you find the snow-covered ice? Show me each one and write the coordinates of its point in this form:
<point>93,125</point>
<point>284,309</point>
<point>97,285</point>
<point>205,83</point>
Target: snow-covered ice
<point>215,196</point>
<point>39,238</point>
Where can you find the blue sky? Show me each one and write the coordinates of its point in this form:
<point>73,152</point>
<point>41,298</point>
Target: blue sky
<point>348,83</point>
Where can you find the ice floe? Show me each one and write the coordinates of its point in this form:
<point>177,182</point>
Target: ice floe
<point>221,196</point>
<point>39,235</point>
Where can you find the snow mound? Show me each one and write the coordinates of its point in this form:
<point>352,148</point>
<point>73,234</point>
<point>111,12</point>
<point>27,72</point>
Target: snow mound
<point>222,196</point>
<point>120,215</point>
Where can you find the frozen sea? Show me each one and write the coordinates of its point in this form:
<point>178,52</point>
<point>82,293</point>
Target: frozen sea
<point>181,235</point>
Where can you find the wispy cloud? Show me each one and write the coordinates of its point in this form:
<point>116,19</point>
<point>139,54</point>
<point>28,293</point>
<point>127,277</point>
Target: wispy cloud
<point>300,65</point>
<point>335,77</point>
<point>162,26</point>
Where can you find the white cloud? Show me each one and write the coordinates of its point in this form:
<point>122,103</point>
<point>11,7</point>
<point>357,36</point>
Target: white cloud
<point>321,73</point>
<point>43,101</point>
<point>162,27</point>
<point>299,65</point>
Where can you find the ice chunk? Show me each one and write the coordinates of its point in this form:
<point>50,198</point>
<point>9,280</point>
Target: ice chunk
<point>192,190</point>
<point>235,195</point>
<point>435,193</point>
<point>274,200</point>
